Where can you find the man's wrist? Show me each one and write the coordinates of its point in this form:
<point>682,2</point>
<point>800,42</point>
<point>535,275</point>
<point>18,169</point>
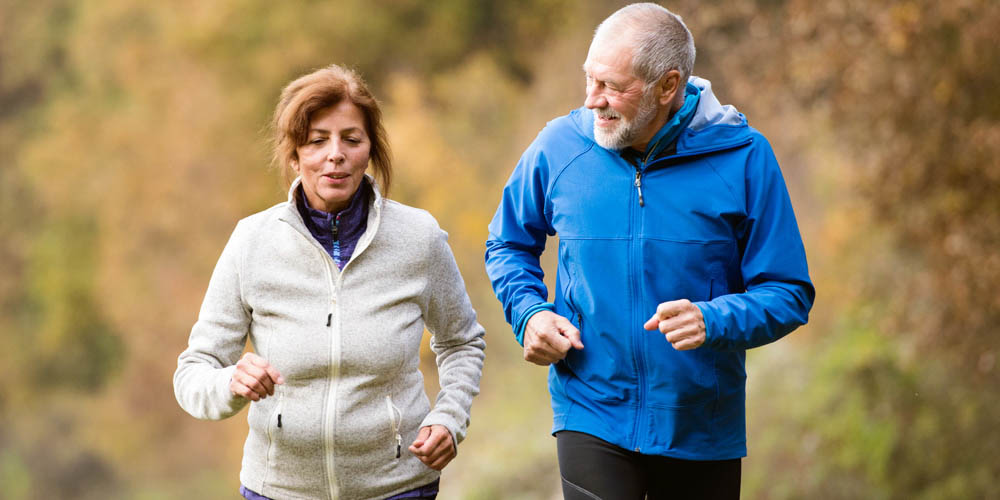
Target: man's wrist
<point>523,323</point>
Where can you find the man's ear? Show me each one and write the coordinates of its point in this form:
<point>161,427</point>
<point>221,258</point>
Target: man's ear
<point>669,87</point>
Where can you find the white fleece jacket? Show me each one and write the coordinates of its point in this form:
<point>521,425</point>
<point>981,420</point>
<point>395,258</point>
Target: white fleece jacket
<point>347,343</point>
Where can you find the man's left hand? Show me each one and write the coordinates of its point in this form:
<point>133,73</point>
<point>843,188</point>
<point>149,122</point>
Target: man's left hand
<point>681,322</point>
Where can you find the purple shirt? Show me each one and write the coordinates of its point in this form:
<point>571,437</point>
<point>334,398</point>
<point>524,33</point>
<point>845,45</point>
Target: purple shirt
<point>338,233</point>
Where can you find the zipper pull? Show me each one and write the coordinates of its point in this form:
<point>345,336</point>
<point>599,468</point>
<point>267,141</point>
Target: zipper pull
<point>638,186</point>
<point>279,420</point>
<point>399,445</point>
<point>329,319</point>
<point>335,227</point>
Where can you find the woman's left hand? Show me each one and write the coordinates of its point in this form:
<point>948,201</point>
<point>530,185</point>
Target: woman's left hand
<point>434,446</point>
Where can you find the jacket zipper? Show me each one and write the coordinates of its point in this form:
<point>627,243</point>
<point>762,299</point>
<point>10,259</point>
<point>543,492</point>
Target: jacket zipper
<point>638,185</point>
<point>335,229</point>
<point>636,224</point>
<point>331,413</point>
<point>329,425</point>
<point>635,290</point>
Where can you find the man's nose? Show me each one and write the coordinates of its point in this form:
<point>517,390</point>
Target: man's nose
<point>595,99</point>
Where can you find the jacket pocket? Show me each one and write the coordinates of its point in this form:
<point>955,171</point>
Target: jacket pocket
<point>274,420</point>
<point>574,315</point>
<point>717,284</point>
<point>395,419</point>
<point>272,426</point>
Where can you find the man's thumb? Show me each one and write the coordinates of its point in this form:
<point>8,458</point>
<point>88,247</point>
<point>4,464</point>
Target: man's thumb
<point>573,335</point>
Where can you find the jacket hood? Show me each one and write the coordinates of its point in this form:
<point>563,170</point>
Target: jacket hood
<point>714,126</point>
<point>710,111</point>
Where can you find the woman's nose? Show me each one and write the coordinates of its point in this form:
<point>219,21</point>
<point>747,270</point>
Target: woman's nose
<point>335,154</point>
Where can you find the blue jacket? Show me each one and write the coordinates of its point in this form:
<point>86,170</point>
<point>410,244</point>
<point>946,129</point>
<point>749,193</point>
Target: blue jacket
<point>714,226</point>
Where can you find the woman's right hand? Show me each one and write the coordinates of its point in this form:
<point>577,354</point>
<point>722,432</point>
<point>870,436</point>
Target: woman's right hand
<point>254,378</point>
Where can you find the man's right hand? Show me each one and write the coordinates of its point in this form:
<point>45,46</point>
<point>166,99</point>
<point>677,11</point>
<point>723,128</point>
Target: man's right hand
<point>548,337</point>
<point>254,378</point>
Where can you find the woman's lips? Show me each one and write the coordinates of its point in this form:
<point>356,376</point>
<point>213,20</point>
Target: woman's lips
<point>336,178</point>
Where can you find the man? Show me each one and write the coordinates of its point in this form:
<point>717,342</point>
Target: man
<point>678,250</point>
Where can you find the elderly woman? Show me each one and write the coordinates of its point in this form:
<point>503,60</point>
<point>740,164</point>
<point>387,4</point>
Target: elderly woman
<point>334,288</point>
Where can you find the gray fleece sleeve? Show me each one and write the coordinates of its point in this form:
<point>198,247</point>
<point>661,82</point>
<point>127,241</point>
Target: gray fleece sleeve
<point>201,382</point>
<point>456,339</point>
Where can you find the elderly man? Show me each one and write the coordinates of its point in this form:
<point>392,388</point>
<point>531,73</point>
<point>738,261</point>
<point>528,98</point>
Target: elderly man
<point>678,251</point>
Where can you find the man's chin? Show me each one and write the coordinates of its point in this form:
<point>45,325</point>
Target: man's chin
<point>608,141</point>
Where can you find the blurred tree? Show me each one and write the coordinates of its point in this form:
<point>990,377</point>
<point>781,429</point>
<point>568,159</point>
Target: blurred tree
<point>901,403</point>
<point>133,139</point>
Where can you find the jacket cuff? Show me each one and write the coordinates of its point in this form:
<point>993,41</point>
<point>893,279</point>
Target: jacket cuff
<point>231,402</point>
<point>713,337</point>
<point>448,423</point>
<point>523,322</point>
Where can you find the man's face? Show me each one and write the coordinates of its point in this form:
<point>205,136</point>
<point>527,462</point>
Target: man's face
<point>623,111</point>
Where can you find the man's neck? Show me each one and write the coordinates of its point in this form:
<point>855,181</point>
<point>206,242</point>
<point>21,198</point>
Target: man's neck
<point>662,117</point>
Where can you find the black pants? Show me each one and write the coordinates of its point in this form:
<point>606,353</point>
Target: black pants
<point>593,469</point>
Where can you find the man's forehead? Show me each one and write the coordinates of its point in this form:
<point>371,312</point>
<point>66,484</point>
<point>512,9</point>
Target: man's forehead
<point>609,52</point>
<point>611,61</point>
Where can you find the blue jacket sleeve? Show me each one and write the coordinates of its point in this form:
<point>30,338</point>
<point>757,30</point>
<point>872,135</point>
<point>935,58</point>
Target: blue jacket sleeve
<point>517,238</point>
<point>778,293</point>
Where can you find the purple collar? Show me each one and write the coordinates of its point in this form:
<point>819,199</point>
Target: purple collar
<point>339,232</point>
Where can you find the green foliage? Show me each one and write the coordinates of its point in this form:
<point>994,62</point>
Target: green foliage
<point>871,421</point>
<point>68,342</point>
<point>14,475</point>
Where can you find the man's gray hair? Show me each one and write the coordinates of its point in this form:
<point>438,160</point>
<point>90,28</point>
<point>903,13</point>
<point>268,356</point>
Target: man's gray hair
<point>659,38</point>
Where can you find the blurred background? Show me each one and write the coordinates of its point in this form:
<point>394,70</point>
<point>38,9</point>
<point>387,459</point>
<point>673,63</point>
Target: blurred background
<point>134,136</point>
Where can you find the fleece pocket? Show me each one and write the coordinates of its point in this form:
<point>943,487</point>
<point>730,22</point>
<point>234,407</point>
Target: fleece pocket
<point>395,419</point>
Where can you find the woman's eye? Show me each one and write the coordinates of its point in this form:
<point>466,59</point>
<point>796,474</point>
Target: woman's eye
<point>317,140</point>
<point>353,140</point>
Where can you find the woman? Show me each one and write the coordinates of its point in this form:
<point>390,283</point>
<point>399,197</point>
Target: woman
<point>334,288</point>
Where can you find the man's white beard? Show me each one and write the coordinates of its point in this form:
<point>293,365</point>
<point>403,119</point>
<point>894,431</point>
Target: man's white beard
<point>625,132</point>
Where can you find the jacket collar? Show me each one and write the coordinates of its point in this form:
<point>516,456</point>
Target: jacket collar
<point>669,132</point>
<point>291,215</point>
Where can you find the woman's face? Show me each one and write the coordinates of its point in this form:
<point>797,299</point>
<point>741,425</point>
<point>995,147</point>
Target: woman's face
<point>334,158</point>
